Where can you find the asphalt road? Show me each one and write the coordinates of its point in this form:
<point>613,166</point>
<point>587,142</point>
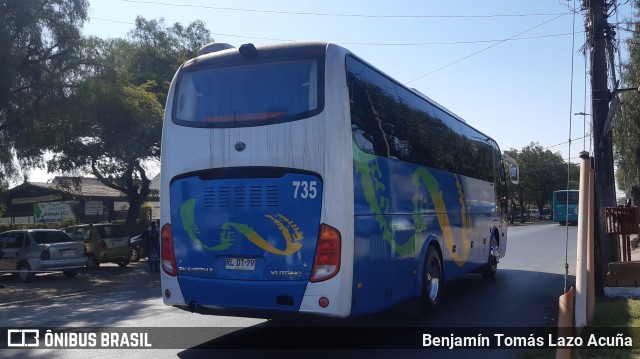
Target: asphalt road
<point>524,294</point>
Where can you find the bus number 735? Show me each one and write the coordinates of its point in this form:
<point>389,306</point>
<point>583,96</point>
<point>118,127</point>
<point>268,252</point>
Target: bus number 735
<point>304,189</point>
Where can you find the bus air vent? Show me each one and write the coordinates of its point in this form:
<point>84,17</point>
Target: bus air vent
<point>240,196</point>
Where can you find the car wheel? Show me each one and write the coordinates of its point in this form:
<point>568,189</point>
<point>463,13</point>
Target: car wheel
<point>70,273</point>
<point>432,279</point>
<point>135,255</point>
<point>123,264</point>
<point>92,262</point>
<point>25,274</point>
<point>491,268</point>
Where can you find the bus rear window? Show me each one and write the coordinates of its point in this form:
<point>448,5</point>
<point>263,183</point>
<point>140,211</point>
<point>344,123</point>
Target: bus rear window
<point>251,95</point>
<point>562,197</point>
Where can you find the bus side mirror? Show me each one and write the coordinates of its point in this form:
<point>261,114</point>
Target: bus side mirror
<point>514,174</point>
<point>514,171</point>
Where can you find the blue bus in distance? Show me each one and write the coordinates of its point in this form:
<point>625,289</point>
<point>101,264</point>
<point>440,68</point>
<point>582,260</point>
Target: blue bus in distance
<point>565,206</point>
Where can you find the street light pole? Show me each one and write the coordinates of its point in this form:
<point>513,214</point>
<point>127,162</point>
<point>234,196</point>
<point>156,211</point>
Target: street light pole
<point>584,126</point>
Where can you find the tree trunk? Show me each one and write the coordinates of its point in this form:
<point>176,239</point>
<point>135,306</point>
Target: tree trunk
<point>521,199</point>
<point>132,214</point>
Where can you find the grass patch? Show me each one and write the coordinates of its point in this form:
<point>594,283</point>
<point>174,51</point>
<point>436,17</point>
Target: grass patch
<point>617,312</point>
<point>612,316</point>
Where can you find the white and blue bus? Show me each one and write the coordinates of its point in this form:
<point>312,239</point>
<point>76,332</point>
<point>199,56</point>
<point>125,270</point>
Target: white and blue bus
<point>299,179</point>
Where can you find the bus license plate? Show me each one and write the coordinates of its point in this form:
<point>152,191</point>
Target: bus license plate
<point>241,263</point>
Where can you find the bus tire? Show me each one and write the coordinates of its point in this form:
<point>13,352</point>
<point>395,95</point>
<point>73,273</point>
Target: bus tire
<point>489,271</point>
<point>432,279</point>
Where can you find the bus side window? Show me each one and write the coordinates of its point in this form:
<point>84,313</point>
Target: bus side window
<point>366,114</point>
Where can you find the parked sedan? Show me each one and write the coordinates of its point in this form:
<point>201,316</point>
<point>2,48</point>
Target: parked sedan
<point>27,252</point>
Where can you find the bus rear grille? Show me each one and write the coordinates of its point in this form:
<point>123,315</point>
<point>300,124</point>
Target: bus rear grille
<point>240,196</point>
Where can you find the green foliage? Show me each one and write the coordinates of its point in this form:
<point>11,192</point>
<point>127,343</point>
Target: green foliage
<point>623,314</point>
<point>541,173</point>
<point>40,59</point>
<point>154,51</point>
<point>114,116</point>
<point>97,104</point>
<point>626,125</point>
<point>68,221</point>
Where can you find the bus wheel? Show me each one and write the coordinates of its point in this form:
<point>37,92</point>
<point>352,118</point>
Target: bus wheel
<point>492,265</point>
<point>432,287</point>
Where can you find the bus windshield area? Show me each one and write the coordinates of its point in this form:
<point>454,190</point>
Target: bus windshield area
<point>249,95</point>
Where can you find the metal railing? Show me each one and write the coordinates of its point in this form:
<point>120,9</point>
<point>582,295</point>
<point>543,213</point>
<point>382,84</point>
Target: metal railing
<point>622,221</point>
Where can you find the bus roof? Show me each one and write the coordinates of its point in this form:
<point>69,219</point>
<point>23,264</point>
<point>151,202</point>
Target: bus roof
<point>230,53</point>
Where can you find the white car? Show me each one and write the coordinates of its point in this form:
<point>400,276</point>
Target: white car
<point>534,214</point>
<point>29,251</point>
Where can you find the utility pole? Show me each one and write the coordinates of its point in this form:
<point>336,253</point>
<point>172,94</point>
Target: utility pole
<point>606,249</point>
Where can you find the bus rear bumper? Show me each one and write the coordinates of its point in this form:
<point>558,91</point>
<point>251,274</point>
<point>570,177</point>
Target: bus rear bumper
<point>200,293</point>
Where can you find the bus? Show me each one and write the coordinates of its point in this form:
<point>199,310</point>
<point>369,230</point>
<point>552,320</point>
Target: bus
<point>565,206</point>
<point>298,179</point>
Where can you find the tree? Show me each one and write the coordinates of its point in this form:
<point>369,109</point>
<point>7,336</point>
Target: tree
<point>40,56</point>
<point>541,173</point>
<point>154,52</point>
<point>626,126</point>
<point>114,120</point>
<point>545,172</point>
<point>115,128</point>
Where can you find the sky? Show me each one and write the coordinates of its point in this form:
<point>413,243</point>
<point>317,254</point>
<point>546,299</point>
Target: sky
<point>511,69</point>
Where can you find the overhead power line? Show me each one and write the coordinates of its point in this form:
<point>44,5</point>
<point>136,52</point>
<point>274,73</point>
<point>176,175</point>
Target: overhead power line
<point>485,49</point>
<point>567,142</point>
<point>109,20</point>
<point>369,43</point>
<point>338,14</point>
<point>456,42</point>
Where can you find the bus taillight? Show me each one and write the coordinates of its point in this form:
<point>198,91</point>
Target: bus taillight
<point>167,254</point>
<point>327,262</point>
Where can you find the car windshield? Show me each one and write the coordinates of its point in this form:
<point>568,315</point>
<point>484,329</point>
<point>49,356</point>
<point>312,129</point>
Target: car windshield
<point>112,231</point>
<point>48,237</point>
